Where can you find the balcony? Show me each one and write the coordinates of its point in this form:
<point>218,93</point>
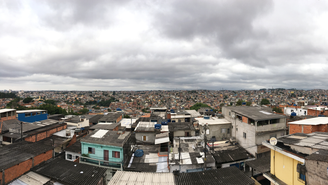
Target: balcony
<point>101,163</point>
<point>270,127</point>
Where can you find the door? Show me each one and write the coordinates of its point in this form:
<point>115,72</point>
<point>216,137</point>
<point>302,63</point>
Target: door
<point>106,155</point>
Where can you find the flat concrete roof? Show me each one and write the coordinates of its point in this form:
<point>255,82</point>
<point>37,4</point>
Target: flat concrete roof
<point>6,110</point>
<point>212,121</point>
<point>28,111</point>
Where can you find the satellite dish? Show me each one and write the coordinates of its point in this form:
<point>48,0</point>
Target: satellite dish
<point>273,141</point>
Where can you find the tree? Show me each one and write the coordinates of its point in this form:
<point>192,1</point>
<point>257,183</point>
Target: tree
<point>83,111</point>
<point>126,116</point>
<point>197,106</point>
<point>50,102</point>
<point>265,102</point>
<point>7,95</point>
<point>28,100</point>
<point>248,103</point>
<point>277,109</point>
<point>239,102</point>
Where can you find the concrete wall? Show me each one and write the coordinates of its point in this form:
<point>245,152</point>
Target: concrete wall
<point>182,133</point>
<point>32,118</point>
<point>298,111</point>
<point>73,154</point>
<point>150,137</point>
<point>285,168</point>
<point>99,151</point>
<point>216,130</point>
<point>316,172</point>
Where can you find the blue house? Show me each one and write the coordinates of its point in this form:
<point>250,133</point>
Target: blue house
<point>31,116</point>
<point>109,149</point>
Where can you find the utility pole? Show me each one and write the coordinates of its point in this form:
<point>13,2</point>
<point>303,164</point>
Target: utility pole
<point>179,156</point>
<point>21,131</point>
<point>205,141</point>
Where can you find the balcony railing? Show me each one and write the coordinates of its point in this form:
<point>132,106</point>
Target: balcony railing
<point>101,163</point>
<point>269,127</point>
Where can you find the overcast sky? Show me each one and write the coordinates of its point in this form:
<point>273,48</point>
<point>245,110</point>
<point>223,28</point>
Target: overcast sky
<point>155,44</point>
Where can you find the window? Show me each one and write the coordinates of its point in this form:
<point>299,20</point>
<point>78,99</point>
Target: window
<point>144,138</point>
<point>224,130</point>
<point>69,156</point>
<point>187,134</point>
<point>116,154</point>
<point>91,150</point>
<point>301,171</point>
<point>228,130</point>
<point>244,135</point>
<point>27,114</point>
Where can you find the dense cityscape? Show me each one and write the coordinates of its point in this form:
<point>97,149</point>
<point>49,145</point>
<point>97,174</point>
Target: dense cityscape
<point>167,137</point>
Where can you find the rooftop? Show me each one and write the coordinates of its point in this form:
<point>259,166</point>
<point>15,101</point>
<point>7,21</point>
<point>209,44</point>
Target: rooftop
<point>148,161</point>
<point>76,147</point>
<point>106,137</point>
<point>212,121</point>
<point>110,117</point>
<point>95,118</point>
<point>224,176</point>
<point>105,126</point>
<point>6,110</point>
<point>311,121</point>
<point>124,177</point>
<point>227,156</point>
<point>255,113</point>
<point>181,126</point>
<point>28,111</point>
<point>261,165</point>
<point>317,140</point>
<point>16,153</point>
<point>71,173</point>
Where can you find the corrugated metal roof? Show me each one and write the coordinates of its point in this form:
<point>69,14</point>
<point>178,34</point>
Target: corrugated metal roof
<point>134,178</point>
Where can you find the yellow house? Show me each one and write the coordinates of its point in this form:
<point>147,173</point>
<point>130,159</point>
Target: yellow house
<point>285,166</point>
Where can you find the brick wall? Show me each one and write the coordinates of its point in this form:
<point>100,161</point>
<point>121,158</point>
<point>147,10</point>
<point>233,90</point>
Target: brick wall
<point>7,118</point>
<point>293,128</point>
<point>119,119</point>
<point>17,170</point>
<point>23,167</point>
<point>43,157</point>
<point>45,134</point>
<point>245,119</point>
<point>30,138</point>
<point>41,136</point>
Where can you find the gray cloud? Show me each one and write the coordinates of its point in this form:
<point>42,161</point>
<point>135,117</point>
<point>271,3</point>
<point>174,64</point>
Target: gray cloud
<point>129,45</point>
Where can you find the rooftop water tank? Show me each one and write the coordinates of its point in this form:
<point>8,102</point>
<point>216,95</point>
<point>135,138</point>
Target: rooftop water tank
<point>158,126</point>
<point>139,153</point>
<point>293,114</point>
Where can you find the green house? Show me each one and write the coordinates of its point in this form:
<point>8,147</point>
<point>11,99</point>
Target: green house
<point>106,148</point>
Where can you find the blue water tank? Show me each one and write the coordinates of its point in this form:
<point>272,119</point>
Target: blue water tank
<point>172,111</point>
<point>206,117</point>
<point>168,120</point>
<point>118,109</point>
<point>293,114</point>
<point>158,126</point>
<point>139,153</point>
